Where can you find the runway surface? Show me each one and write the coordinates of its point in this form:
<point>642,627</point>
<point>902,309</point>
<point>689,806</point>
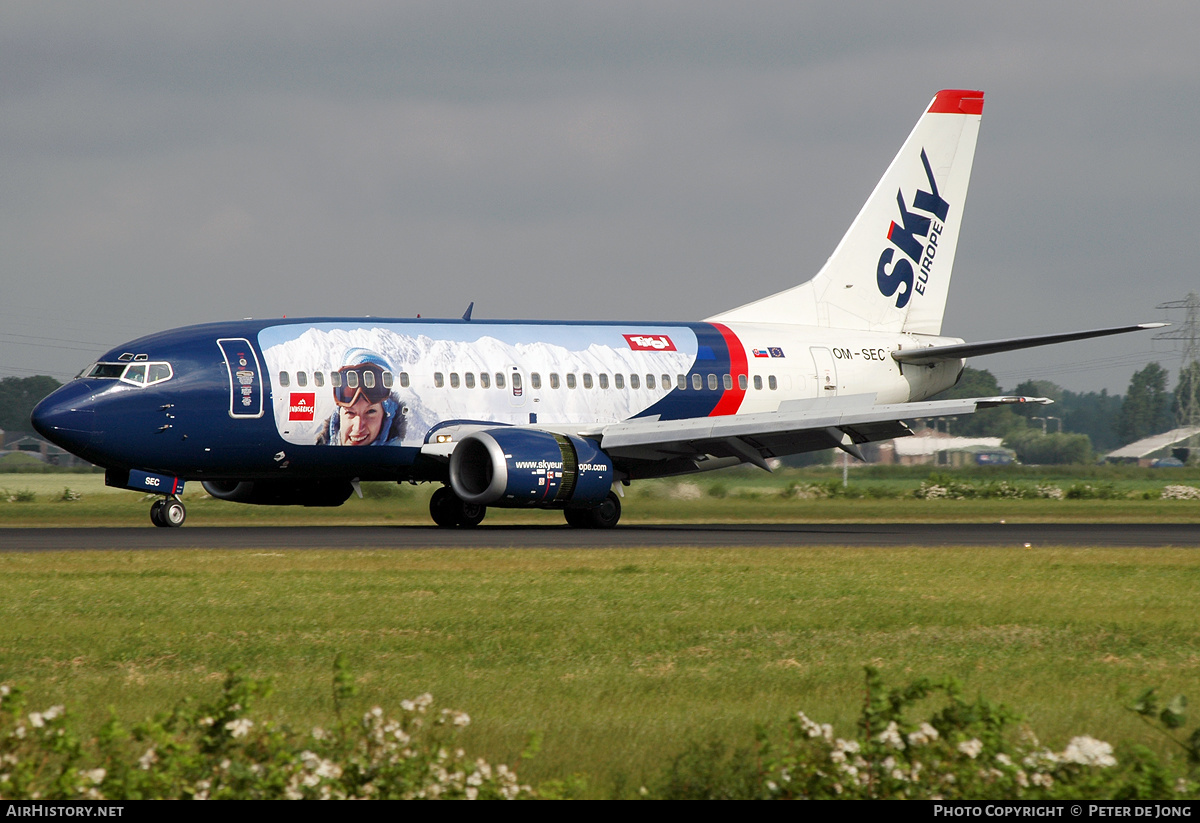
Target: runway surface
<point>708,535</point>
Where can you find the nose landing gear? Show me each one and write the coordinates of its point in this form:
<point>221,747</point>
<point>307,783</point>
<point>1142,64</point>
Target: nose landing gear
<point>168,513</point>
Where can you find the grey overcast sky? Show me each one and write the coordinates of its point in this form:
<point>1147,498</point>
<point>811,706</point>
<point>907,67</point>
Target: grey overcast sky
<point>163,164</point>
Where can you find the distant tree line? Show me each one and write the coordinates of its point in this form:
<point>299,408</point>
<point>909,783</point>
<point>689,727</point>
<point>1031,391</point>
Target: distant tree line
<point>18,396</point>
<point>1086,424</point>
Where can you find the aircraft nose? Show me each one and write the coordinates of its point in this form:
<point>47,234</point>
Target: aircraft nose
<point>66,418</point>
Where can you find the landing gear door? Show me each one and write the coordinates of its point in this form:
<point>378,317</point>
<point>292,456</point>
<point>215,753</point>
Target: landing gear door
<point>827,385</point>
<point>245,378</point>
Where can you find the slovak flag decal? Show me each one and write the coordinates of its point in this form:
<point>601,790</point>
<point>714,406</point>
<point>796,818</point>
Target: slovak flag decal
<point>760,353</point>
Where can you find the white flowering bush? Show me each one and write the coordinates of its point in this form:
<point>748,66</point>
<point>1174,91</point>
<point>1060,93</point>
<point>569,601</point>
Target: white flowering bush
<point>944,487</point>
<point>1180,493</point>
<point>966,750</point>
<point>217,751</point>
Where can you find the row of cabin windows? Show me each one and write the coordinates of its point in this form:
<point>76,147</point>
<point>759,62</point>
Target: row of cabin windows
<point>485,381</point>
<point>335,379</point>
<point>573,381</point>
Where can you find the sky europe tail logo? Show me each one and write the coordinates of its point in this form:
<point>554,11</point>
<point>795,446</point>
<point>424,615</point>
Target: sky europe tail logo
<point>902,280</point>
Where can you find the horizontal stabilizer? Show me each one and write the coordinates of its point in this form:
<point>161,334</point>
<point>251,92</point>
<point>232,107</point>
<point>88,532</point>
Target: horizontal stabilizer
<point>937,354</point>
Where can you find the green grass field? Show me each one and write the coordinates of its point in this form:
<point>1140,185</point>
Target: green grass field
<point>876,493</point>
<point>617,658</point>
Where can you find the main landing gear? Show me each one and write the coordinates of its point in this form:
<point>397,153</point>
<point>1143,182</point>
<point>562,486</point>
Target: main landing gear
<point>450,511</point>
<point>168,513</point>
<point>604,516</point>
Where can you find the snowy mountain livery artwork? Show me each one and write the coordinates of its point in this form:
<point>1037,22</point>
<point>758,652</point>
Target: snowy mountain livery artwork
<point>554,415</point>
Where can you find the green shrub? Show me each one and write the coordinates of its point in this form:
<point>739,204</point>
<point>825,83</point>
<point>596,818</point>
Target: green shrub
<point>1097,491</point>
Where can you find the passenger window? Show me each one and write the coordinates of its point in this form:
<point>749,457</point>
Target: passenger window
<point>772,383</point>
<point>335,379</point>
<point>284,380</point>
<point>666,381</point>
<point>439,379</point>
<point>587,380</point>
<point>352,379</point>
<point>301,379</point>
<point>319,378</point>
<point>570,381</point>
<point>742,382</point>
<point>469,377</point>
<point>682,382</point>
<point>758,382</point>
<point>619,381</point>
<point>553,380</point>
<point>535,381</point>
<point>634,382</point>
<point>697,382</point>
<point>712,382</point>
<point>454,380</point>
<point>500,380</point>
<point>604,381</point>
<point>485,380</point>
<point>404,380</point>
<point>387,380</point>
<point>368,379</point>
<point>728,382</point>
<point>516,383</point>
<point>649,381</point>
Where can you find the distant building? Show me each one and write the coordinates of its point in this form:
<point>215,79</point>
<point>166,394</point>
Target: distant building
<point>1145,451</point>
<point>37,448</point>
<point>929,447</point>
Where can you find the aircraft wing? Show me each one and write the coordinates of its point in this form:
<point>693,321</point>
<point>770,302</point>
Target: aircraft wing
<point>935,354</point>
<point>650,447</point>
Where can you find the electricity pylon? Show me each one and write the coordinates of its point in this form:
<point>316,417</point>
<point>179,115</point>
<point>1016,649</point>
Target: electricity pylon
<point>1189,333</point>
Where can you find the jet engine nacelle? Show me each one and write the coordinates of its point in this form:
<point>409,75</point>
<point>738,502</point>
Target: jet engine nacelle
<point>281,492</point>
<point>524,468</point>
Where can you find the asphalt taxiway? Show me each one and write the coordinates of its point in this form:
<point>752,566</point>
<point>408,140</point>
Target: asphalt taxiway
<point>879,535</point>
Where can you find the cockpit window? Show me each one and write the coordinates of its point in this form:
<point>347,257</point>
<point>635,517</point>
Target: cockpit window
<point>158,372</point>
<point>137,374</point>
<point>110,371</point>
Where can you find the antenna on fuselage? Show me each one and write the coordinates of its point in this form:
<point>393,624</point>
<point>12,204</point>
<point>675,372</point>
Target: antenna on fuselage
<point>467,313</point>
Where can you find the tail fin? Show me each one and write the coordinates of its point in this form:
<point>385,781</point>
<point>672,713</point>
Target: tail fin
<point>891,271</point>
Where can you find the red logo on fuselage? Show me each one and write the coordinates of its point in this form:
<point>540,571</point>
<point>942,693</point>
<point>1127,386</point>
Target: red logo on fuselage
<point>649,342</point>
<point>302,406</point>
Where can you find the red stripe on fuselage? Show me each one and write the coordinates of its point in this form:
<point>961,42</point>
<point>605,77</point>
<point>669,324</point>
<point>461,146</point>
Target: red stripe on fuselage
<point>731,400</point>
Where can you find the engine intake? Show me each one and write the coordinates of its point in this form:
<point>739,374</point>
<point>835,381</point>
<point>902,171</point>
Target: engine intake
<point>525,468</point>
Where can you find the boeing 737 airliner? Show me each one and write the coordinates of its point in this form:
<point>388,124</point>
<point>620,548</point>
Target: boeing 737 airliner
<point>554,415</point>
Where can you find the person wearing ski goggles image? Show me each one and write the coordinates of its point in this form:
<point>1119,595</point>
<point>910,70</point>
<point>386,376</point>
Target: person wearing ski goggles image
<point>364,380</point>
<point>368,414</point>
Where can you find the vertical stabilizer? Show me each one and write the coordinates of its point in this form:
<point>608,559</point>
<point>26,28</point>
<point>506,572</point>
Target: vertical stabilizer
<point>891,271</point>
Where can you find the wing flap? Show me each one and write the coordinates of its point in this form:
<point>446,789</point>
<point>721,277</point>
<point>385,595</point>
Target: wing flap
<point>811,425</point>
